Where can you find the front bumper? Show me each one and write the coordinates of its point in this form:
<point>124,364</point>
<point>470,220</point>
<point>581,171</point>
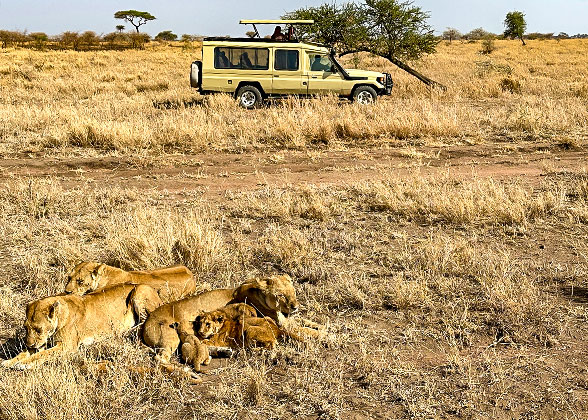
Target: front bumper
<point>388,84</point>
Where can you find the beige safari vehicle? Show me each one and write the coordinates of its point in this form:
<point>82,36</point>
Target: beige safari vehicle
<point>256,69</point>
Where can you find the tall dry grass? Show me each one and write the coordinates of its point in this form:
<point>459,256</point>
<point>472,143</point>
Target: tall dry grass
<point>133,100</point>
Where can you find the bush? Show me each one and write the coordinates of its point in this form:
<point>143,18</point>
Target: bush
<point>166,36</point>
<point>488,46</point>
<point>69,39</point>
<point>138,40</point>
<point>478,34</point>
<point>12,38</point>
<point>510,85</point>
<point>39,39</point>
<point>116,38</point>
<point>89,39</point>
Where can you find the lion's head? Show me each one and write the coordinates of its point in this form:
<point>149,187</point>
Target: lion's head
<point>209,323</point>
<point>42,321</point>
<point>273,296</point>
<point>84,278</point>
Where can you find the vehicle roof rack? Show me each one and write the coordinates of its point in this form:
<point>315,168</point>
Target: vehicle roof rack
<point>276,22</point>
<point>288,22</point>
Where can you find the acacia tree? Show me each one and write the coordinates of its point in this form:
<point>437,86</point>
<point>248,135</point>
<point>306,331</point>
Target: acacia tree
<point>134,17</point>
<point>515,25</point>
<point>450,34</point>
<point>478,34</point>
<point>120,28</point>
<point>392,29</point>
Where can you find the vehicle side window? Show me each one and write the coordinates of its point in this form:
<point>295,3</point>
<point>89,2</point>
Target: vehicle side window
<point>320,62</point>
<point>287,60</point>
<point>241,58</point>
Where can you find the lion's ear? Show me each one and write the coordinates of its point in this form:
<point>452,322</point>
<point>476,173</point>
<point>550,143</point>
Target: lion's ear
<point>244,288</point>
<point>98,271</point>
<point>53,309</point>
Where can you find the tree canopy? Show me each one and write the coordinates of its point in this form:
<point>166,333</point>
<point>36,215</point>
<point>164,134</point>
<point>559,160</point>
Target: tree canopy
<point>166,36</point>
<point>134,17</point>
<point>393,29</point>
<point>515,25</point>
<point>451,34</point>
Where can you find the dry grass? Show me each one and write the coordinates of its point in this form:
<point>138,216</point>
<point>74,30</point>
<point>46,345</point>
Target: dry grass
<point>445,296</point>
<point>70,99</point>
<point>357,263</point>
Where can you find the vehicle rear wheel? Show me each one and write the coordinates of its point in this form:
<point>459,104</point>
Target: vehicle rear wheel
<point>249,97</point>
<point>365,95</point>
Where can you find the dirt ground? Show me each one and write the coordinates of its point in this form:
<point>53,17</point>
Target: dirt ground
<point>213,174</point>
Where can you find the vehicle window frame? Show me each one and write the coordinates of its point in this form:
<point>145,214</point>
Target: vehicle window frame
<point>287,50</point>
<point>230,57</point>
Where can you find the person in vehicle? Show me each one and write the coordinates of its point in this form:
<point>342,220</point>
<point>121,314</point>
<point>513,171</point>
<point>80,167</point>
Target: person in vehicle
<point>222,61</point>
<point>278,35</point>
<point>321,63</point>
<point>291,36</point>
<point>245,61</point>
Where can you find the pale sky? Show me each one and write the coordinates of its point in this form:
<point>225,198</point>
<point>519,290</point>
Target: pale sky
<point>221,17</point>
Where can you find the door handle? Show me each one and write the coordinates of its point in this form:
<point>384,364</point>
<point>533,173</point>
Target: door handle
<point>315,77</point>
<point>276,75</point>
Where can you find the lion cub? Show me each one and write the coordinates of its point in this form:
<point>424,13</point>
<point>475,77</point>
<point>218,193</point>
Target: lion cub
<point>233,326</point>
<point>171,283</point>
<point>237,325</point>
<point>67,321</point>
<point>194,351</point>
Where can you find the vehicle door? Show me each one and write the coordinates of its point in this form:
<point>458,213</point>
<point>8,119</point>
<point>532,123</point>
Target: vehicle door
<point>287,73</point>
<point>323,77</point>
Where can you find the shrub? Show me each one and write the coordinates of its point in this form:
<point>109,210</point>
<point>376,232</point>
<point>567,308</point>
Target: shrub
<point>138,40</point>
<point>510,85</point>
<point>488,46</point>
<point>166,36</point>
<point>69,39</point>
<point>89,39</point>
<point>39,39</point>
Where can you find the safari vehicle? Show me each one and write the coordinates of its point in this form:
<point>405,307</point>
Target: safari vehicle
<point>255,69</point>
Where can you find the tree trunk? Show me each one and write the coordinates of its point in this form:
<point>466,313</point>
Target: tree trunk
<point>403,66</point>
<point>523,41</point>
<point>410,70</point>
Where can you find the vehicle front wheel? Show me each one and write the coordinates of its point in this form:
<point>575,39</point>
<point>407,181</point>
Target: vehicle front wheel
<point>249,97</point>
<point>365,95</point>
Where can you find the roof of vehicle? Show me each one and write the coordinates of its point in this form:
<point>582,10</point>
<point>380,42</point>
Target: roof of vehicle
<point>294,43</point>
<point>276,22</point>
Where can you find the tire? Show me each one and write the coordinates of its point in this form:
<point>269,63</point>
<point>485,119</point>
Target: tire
<point>249,97</point>
<point>365,95</point>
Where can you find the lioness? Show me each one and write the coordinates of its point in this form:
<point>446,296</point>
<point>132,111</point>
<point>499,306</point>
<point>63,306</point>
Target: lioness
<point>66,321</point>
<point>171,283</point>
<point>273,296</point>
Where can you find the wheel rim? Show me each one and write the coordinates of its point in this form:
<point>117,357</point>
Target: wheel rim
<point>365,98</point>
<point>248,99</point>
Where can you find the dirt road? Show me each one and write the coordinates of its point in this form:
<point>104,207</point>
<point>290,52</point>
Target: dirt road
<point>213,174</point>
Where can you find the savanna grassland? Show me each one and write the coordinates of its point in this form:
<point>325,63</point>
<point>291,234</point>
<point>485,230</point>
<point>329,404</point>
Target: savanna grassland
<point>440,236</point>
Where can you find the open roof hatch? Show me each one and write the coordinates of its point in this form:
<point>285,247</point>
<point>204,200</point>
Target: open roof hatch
<point>288,23</point>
